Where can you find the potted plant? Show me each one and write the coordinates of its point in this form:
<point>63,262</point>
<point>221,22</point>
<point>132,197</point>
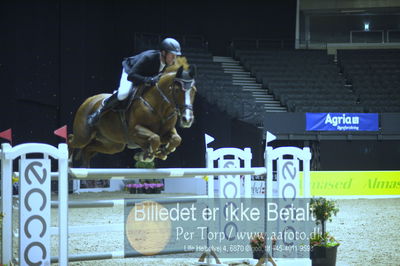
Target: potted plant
<point>257,243</point>
<point>323,246</point>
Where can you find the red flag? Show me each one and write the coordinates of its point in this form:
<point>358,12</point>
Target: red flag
<point>7,134</point>
<point>61,132</point>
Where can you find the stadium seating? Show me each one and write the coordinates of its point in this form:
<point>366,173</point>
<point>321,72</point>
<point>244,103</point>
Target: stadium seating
<point>303,80</point>
<point>374,76</point>
<point>217,88</point>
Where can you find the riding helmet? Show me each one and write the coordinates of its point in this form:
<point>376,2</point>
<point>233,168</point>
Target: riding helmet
<point>171,45</point>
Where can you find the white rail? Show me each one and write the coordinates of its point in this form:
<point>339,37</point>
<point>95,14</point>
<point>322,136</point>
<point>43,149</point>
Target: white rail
<point>100,173</point>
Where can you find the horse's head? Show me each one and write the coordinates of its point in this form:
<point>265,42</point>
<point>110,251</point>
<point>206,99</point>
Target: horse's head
<point>178,82</point>
<point>184,92</point>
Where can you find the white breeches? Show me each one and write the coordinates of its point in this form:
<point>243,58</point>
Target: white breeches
<point>124,86</point>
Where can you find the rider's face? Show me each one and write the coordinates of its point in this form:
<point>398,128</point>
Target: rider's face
<point>170,58</point>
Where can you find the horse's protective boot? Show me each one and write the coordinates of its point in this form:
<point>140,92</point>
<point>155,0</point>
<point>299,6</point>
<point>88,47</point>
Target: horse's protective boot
<point>108,104</point>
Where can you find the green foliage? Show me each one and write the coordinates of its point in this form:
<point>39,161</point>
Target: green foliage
<point>323,240</point>
<point>140,164</point>
<point>147,165</point>
<point>323,209</point>
<point>258,241</point>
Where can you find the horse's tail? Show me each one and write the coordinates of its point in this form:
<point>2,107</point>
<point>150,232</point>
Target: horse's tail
<point>71,148</point>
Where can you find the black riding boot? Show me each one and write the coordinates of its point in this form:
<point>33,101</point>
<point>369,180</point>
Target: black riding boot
<point>108,104</point>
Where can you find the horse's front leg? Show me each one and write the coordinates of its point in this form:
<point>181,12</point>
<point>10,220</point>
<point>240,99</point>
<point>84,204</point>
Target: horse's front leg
<point>172,140</point>
<point>147,140</point>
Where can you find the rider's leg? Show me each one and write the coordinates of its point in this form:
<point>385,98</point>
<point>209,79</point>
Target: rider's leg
<point>112,101</point>
<point>108,104</point>
<point>125,87</point>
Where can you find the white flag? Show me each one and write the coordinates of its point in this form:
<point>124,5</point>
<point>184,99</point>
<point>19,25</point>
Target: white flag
<point>270,137</point>
<point>208,139</point>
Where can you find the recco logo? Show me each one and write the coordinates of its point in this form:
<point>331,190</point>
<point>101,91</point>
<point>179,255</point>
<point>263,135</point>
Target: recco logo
<point>229,188</point>
<point>35,204</point>
<point>289,189</point>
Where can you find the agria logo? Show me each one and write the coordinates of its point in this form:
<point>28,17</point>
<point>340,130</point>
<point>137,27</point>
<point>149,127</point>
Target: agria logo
<point>342,120</point>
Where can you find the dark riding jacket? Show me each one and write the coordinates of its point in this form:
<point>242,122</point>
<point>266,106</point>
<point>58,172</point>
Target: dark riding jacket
<point>143,66</point>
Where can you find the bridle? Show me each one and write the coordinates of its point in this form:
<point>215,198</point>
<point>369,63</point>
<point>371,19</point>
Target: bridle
<point>186,85</point>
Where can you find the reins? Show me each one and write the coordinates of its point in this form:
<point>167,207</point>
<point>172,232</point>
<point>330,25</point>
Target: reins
<point>166,100</point>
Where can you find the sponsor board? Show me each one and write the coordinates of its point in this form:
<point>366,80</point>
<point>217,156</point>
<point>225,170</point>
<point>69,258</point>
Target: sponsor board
<point>347,183</point>
<point>342,122</point>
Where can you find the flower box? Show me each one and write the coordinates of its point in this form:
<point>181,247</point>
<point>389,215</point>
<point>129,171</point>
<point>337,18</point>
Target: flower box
<point>135,188</point>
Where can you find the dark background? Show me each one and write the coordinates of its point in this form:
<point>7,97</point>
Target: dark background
<point>56,53</point>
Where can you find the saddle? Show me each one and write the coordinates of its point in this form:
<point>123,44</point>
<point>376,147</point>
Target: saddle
<point>134,94</point>
<point>122,107</point>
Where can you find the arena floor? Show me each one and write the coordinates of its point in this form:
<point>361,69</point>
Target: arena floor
<point>368,230</point>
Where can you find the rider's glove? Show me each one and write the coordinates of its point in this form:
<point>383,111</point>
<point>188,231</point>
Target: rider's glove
<point>151,81</point>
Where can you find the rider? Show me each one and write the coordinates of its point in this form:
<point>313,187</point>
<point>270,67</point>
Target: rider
<point>142,69</point>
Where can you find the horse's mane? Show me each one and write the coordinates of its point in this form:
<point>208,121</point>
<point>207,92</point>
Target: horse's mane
<point>180,61</point>
<point>171,70</point>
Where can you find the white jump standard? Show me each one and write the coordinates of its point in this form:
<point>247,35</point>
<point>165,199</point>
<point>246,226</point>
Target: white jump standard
<point>35,175</point>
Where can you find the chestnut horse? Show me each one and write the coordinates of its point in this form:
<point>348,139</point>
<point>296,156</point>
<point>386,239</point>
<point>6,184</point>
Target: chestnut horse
<point>148,123</point>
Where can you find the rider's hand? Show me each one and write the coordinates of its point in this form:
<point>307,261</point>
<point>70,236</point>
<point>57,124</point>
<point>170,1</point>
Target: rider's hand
<point>151,81</point>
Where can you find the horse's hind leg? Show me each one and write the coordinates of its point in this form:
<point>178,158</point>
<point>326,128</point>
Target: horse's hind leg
<point>96,146</point>
<point>87,157</point>
<point>80,138</point>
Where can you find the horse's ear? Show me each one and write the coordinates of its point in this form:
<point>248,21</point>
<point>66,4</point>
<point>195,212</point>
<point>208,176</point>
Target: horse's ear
<point>193,71</point>
<point>179,72</point>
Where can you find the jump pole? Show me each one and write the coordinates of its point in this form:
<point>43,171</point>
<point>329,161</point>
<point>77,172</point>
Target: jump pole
<point>116,255</point>
<point>100,173</point>
<point>122,202</point>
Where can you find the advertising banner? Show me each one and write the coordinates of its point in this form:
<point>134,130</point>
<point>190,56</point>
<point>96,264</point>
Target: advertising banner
<point>342,122</point>
<point>351,183</point>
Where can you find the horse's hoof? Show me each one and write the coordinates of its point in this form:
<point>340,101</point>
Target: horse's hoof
<point>162,157</point>
<point>148,160</point>
<point>138,157</point>
<point>142,157</point>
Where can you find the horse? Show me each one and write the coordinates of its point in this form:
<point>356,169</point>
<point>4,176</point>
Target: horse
<point>148,123</point>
